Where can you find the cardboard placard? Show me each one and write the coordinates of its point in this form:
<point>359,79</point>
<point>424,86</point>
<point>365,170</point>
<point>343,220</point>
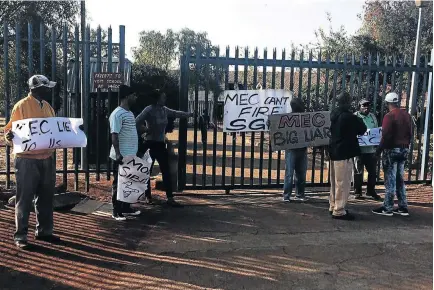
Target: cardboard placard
<point>133,177</point>
<point>299,130</point>
<point>248,110</point>
<point>372,137</point>
<point>47,133</point>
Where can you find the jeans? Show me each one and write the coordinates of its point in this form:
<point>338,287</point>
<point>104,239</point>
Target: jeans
<point>35,178</point>
<point>393,166</point>
<point>369,161</point>
<point>296,161</point>
<point>118,206</point>
<point>159,152</point>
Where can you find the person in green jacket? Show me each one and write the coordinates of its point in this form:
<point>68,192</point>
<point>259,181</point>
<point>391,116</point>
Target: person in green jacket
<point>367,157</point>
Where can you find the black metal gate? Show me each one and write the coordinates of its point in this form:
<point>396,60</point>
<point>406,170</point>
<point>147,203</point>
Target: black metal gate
<point>212,159</point>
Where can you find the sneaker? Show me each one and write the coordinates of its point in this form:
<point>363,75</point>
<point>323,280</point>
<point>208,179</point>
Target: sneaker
<point>375,196</point>
<point>286,199</point>
<point>401,211</point>
<point>358,196</point>
<point>297,198</point>
<point>382,211</point>
<point>173,203</point>
<point>346,217</point>
<point>49,239</point>
<point>131,212</point>
<point>119,217</point>
<point>22,244</point>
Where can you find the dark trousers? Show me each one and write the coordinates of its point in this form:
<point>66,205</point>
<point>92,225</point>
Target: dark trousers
<point>368,161</point>
<point>35,178</point>
<point>118,206</point>
<point>159,152</point>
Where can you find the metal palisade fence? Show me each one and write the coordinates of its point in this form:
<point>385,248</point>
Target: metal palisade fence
<point>59,52</point>
<point>245,160</point>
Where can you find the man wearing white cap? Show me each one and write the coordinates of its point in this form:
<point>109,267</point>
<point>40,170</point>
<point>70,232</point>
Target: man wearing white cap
<point>395,140</point>
<point>35,171</point>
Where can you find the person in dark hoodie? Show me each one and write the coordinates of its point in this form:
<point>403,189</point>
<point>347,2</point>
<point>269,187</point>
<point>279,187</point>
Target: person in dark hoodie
<point>296,161</point>
<point>344,146</point>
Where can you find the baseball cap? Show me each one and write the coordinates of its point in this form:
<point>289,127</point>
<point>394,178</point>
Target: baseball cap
<point>125,91</point>
<point>364,102</point>
<point>392,98</point>
<point>37,81</point>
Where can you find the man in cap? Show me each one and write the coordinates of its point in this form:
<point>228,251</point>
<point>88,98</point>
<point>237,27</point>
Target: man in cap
<point>35,171</point>
<point>367,158</point>
<point>395,140</point>
<point>344,146</point>
<point>125,142</point>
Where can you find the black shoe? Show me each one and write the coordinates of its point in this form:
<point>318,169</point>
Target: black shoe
<point>173,203</point>
<point>358,195</point>
<point>382,211</point>
<point>401,211</point>
<point>375,196</point>
<point>119,217</point>
<point>49,239</point>
<point>22,244</point>
<point>346,217</point>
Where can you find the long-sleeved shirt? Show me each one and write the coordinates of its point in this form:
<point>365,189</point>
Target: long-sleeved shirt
<point>371,122</point>
<point>30,107</point>
<point>156,120</point>
<point>396,132</point>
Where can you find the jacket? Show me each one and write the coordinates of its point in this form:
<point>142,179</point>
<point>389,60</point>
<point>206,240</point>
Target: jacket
<point>397,130</point>
<point>345,127</point>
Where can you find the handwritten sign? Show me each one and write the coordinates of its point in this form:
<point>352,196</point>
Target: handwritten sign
<point>299,130</point>
<point>133,177</point>
<point>248,110</point>
<point>107,80</point>
<point>372,137</point>
<point>47,133</point>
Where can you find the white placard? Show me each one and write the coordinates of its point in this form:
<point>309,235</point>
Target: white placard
<point>372,137</point>
<point>248,110</point>
<point>47,133</point>
<point>133,177</point>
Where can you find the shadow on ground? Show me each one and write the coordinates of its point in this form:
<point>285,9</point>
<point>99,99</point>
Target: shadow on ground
<point>237,242</point>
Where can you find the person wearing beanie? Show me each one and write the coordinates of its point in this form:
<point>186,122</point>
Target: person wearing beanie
<point>343,147</point>
<point>367,159</point>
<point>296,162</point>
<point>394,144</point>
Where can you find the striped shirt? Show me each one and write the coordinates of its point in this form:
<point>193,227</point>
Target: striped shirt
<point>123,123</point>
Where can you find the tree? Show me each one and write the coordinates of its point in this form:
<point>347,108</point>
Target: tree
<point>393,25</point>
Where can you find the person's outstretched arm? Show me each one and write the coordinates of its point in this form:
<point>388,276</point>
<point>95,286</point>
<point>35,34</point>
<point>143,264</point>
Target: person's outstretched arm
<point>177,114</point>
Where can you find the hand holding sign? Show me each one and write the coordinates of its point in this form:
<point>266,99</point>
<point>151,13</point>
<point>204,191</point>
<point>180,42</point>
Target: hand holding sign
<point>133,177</point>
<point>47,133</point>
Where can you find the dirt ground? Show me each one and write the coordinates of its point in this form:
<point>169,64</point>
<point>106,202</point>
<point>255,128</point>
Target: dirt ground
<point>241,241</point>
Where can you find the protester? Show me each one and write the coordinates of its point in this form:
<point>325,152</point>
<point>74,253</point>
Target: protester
<point>367,158</point>
<point>395,140</point>
<point>344,146</point>
<point>125,143</point>
<point>35,171</point>
<point>155,116</point>
<point>296,161</point>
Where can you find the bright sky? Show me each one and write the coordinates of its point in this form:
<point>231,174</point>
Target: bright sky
<point>261,23</point>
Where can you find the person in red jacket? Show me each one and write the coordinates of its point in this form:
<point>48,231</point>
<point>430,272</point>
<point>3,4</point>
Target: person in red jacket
<point>395,140</point>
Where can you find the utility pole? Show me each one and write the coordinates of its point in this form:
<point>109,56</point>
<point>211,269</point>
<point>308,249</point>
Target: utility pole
<point>83,78</point>
<point>416,61</point>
